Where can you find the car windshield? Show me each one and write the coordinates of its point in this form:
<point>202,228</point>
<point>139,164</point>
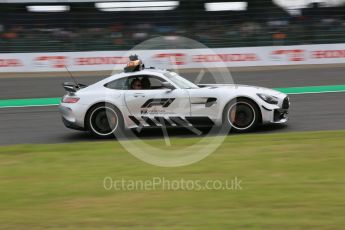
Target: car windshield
<point>180,81</point>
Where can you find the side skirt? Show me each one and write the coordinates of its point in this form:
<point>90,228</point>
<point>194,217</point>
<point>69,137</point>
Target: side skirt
<point>174,121</point>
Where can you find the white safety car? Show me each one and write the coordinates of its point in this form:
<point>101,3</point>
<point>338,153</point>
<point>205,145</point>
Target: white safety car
<point>141,98</point>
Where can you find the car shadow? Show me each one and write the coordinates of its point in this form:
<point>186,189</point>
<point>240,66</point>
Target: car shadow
<point>157,133</point>
<point>270,128</point>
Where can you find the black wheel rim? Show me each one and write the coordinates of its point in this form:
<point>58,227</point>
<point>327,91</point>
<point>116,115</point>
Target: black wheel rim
<point>241,115</point>
<point>104,121</point>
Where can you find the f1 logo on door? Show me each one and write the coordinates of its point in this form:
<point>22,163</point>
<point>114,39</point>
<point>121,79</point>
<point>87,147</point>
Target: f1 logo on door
<point>158,102</point>
<point>164,102</point>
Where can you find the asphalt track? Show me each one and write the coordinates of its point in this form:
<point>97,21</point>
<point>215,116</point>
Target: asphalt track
<point>309,112</point>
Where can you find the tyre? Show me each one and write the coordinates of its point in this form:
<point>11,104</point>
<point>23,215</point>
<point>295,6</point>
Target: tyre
<point>241,115</point>
<point>104,121</point>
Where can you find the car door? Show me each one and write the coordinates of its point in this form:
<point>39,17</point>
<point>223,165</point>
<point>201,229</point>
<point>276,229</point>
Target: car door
<point>151,107</point>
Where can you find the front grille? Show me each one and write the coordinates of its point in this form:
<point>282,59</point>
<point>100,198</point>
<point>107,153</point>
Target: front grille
<point>286,103</point>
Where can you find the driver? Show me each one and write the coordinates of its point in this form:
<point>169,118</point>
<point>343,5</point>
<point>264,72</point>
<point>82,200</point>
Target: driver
<point>136,84</point>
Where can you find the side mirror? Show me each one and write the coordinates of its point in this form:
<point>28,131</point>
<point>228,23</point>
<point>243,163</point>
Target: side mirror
<point>167,85</point>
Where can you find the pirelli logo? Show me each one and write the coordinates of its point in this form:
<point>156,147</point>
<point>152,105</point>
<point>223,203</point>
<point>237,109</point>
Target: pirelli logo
<point>164,102</point>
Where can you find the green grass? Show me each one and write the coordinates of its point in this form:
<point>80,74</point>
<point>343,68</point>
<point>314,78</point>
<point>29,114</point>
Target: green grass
<point>289,181</point>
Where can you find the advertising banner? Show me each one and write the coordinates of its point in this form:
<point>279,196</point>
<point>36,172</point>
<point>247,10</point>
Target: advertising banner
<point>183,59</point>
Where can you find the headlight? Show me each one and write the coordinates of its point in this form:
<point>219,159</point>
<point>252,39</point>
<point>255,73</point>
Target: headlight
<point>267,98</point>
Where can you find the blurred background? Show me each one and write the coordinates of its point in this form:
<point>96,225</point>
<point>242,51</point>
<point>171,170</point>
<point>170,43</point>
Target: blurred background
<point>62,25</point>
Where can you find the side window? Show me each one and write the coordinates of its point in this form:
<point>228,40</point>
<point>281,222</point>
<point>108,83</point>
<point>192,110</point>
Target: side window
<point>118,84</point>
<point>146,82</point>
<point>156,83</point>
<point>150,82</point>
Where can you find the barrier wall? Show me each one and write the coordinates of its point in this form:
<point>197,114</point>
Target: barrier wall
<point>184,58</point>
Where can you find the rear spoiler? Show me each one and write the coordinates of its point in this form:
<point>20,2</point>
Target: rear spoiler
<point>72,87</point>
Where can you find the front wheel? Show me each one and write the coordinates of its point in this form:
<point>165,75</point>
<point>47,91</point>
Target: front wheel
<point>104,120</point>
<point>241,115</point>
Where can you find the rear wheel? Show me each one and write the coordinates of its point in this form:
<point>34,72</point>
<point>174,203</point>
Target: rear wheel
<point>241,115</point>
<point>104,120</point>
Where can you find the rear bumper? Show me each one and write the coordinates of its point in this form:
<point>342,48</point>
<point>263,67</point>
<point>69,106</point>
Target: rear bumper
<point>72,125</point>
<point>72,116</point>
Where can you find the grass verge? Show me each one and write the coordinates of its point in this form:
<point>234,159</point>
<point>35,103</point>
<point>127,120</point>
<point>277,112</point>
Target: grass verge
<point>288,181</point>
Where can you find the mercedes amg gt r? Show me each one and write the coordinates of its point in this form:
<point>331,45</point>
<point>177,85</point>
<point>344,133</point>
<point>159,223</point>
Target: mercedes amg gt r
<point>160,98</point>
